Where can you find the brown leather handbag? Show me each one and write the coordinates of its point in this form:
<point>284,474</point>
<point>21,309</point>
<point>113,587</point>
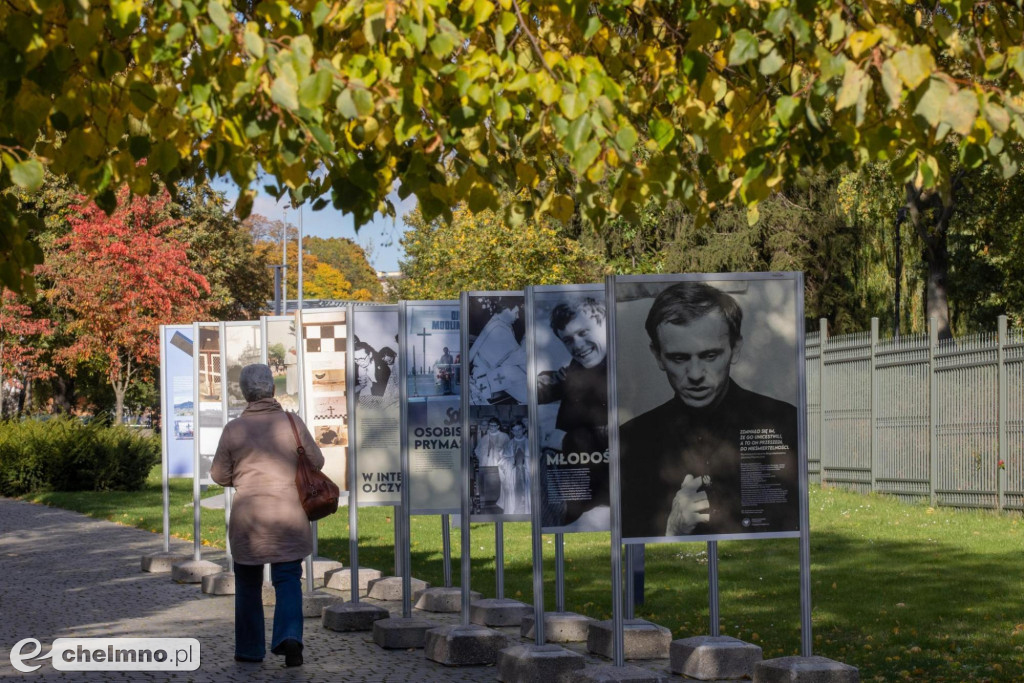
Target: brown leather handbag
<point>318,494</point>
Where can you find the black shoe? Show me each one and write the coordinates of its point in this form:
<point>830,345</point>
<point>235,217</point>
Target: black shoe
<point>243,658</point>
<point>292,651</point>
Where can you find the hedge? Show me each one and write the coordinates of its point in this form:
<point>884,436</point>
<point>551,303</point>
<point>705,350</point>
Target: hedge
<point>63,454</point>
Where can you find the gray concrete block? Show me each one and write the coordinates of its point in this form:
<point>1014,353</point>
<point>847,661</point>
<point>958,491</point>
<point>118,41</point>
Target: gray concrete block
<point>193,571</point>
<point>341,579</point>
<point>390,588</point>
<point>641,639</point>
<point>352,616</point>
<point>616,674</point>
<point>464,645</point>
<point>401,633</point>
<point>313,604</point>
<point>321,565</point>
<point>805,670</point>
<point>709,658</point>
<point>559,627</point>
<point>498,612</point>
<point>161,562</point>
<point>442,599</point>
<point>537,663</point>
<point>219,584</point>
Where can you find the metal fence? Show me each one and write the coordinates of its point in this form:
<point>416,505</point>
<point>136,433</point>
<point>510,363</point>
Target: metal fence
<point>919,418</point>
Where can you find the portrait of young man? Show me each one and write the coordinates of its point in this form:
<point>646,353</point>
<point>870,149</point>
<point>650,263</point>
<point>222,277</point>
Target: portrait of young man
<point>717,456</point>
<point>579,388</point>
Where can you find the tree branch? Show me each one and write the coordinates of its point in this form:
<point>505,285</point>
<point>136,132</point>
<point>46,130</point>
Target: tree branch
<point>533,39</point>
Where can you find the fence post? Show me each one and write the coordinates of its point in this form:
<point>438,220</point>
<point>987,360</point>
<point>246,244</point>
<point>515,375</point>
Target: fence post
<point>933,393</point>
<point>822,338</point>
<point>1003,398</point>
<point>874,403</point>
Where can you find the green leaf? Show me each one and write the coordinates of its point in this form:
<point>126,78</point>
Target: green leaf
<point>573,105</point>
<point>853,88</point>
<point>220,17</point>
<point>914,65</point>
<point>28,174</point>
<point>744,47</point>
<point>626,138</point>
<point>315,89</point>
<point>285,90</point>
<point>932,100</point>
<point>662,132</point>
<point>363,100</point>
<point>320,13</point>
<point>441,45</point>
<point>771,63</point>
<point>253,41</point>
<point>891,84</point>
<point>143,95</point>
<point>960,110</point>
<point>785,108</point>
<point>113,62</point>
<point>346,104</point>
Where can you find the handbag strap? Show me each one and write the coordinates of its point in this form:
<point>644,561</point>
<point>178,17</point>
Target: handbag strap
<point>295,431</point>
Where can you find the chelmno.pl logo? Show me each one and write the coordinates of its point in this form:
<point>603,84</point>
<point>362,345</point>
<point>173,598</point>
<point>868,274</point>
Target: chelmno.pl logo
<point>109,654</point>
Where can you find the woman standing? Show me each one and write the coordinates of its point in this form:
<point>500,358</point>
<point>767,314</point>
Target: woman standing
<point>257,455</point>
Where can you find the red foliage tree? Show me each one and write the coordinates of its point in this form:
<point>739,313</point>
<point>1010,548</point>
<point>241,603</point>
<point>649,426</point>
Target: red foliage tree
<point>118,278</point>
<point>22,347</point>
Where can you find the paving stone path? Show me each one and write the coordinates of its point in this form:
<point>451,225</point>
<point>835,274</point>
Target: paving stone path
<point>63,574</point>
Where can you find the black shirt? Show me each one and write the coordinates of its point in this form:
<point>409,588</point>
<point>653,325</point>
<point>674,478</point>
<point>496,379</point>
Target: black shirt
<point>744,448</point>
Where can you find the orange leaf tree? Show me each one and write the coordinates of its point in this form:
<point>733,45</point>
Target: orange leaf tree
<point>117,278</point>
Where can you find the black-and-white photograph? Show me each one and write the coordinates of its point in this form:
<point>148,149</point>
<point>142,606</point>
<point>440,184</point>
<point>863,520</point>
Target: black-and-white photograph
<point>500,464</point>
<point>497,357</point>
<point>707,372</point>
<point>377,414</point>
<point>570,341</point>
<point>433,341</point>
<point>323,358</point>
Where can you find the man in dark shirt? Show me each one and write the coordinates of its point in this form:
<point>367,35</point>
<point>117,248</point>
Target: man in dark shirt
<point>716,458</point>
<point>582,389</point>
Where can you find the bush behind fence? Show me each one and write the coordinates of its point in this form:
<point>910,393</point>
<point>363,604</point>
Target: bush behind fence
<point>919,418</point>
<point>63,454</point>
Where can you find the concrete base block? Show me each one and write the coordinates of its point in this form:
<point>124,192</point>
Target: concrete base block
<point>709,658</point>
<point>313,604</point>
<point>352,616</point>
<point>616,674</point>
<point>464,645</point>
<point>390,588</point>
<point>161,562</point>
<point>442,599</point>
<point>641,639</point>
<point>559,627</point>
<point>805,670</point>
<point>498,612</point>
<point>219,584</point>
<point>193,571</point>
<point>321,565</point>
<point>537,663</point>
<point>341,579</point>
<point>400,633</point>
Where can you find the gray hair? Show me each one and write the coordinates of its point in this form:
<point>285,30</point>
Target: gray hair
<point>256,382</point>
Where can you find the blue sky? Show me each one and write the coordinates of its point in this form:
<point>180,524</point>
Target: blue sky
<point>379,238</point>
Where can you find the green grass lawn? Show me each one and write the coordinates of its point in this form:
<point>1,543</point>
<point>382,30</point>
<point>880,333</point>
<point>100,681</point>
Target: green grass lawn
<point>902,591</point>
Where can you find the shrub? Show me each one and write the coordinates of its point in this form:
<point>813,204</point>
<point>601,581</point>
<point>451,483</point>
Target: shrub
<point>62,454</point>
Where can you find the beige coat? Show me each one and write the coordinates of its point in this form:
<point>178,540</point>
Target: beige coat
<point>257,456</point>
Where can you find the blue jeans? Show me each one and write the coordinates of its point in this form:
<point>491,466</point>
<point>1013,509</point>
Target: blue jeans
<point>287,579</point>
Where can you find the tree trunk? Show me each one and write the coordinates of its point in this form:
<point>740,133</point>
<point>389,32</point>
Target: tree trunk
<point>930,214</point>
<point>119,391</point>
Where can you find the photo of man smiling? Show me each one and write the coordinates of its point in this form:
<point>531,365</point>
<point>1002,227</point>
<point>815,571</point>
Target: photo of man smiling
<point>716,457</point>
